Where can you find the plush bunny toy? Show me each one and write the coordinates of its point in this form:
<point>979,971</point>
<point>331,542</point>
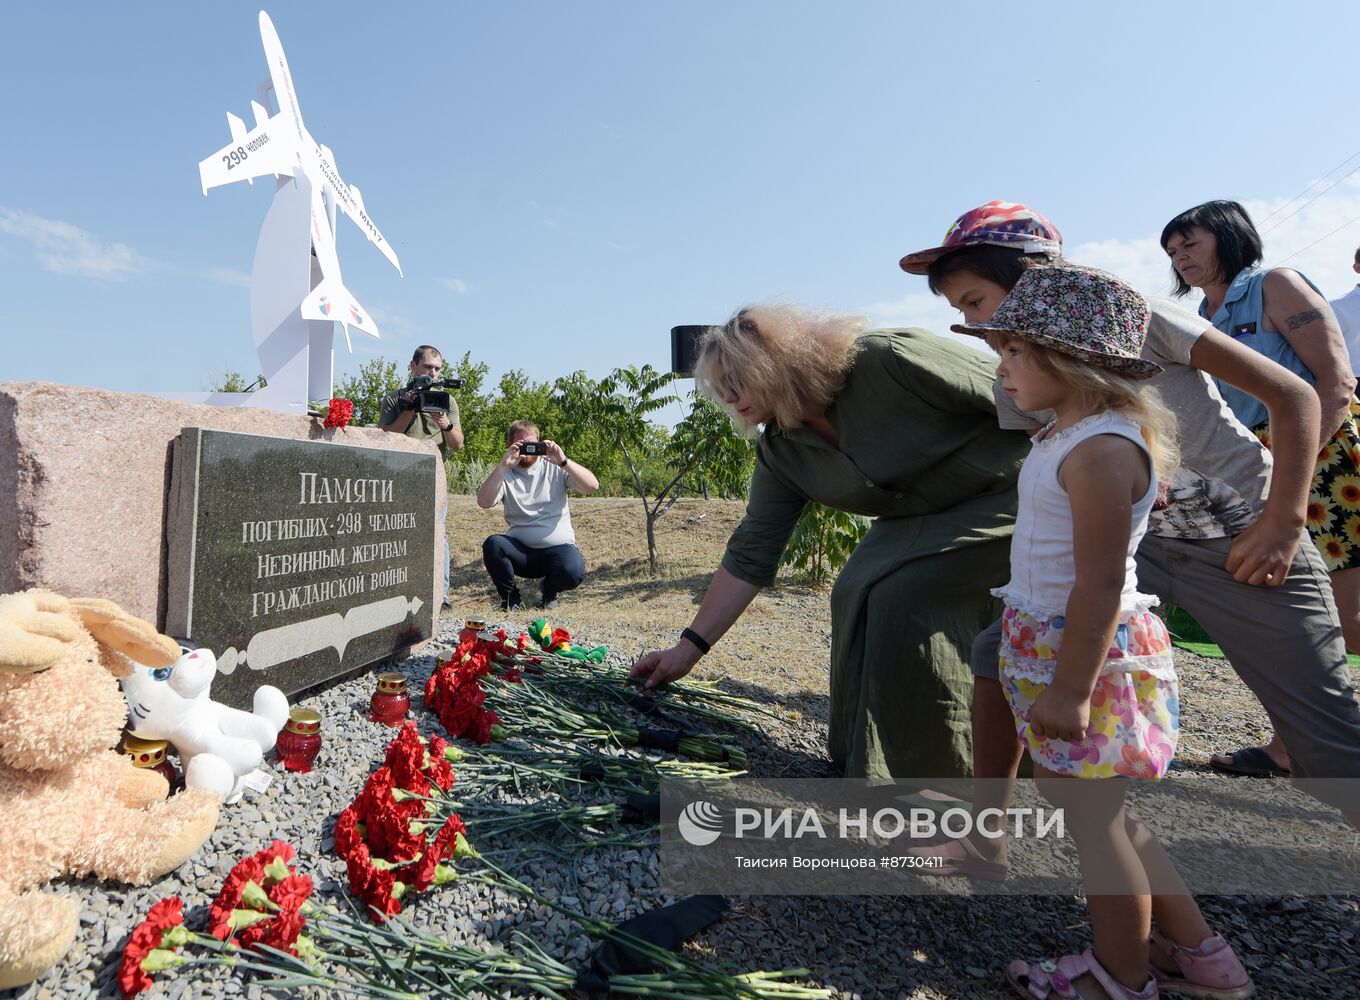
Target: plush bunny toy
<point>70,805</point>
<point>217,745</point>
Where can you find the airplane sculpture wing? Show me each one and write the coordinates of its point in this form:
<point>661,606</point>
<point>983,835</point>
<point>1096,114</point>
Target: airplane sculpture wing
<point>348,201</point>
<point>265,149</point>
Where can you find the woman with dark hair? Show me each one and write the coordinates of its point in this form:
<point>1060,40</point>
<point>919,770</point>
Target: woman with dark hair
<point>1280,314</point>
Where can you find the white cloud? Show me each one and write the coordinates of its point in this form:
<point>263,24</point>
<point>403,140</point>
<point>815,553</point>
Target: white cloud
<point>66,249</point>
<point>457,285</point>
<point>921,309</point>
<point>1314,240</point>
<point>393,323</point>
<point>229,276</point>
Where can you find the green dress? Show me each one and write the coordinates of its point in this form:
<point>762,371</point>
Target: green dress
<point>921,452</point>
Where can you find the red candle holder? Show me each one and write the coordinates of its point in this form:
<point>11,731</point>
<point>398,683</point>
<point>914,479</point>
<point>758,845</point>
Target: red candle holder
<point>300,740</point>
<point>390,702</point>
<point>471,627</point>
<point>150,755</point>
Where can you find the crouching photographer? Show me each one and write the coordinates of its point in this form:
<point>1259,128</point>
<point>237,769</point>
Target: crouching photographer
<point>425,411</point>
<point>532,480</point>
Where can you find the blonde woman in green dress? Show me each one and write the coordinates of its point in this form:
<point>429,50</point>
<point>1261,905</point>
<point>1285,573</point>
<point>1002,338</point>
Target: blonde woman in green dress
<point>900,426</point>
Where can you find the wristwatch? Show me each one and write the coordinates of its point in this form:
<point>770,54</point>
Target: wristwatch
<point>564,461</point>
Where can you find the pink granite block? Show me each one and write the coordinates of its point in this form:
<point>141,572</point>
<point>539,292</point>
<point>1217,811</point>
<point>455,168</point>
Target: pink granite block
<point>84,475</point>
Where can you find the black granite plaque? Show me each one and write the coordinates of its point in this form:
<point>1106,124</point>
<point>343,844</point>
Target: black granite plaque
<point>297,561</point>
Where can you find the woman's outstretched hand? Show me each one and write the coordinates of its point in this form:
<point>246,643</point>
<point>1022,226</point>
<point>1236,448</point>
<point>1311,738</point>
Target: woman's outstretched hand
<point>665,665</point>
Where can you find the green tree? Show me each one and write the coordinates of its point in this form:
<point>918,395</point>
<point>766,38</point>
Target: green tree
<point>517,397</point>
<point>706,448</point>
<point>233,381</point>
<point>375,380</point>
<point>619,405</point>
<point>472,402</point>
<point>823,540</point>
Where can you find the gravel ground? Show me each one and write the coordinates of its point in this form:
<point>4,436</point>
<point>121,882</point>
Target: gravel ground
<point>894,947</point>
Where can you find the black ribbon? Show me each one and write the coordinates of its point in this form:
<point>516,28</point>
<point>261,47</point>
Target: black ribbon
<point>641,810</point>
<point>667,927</point>
<point>663,739</point>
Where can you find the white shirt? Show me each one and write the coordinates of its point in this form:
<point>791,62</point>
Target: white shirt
<point>1043,564</point>
<point>536,505</point>
<point>1347,309</point>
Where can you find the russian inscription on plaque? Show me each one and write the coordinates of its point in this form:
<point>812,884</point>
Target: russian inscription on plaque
<point>297,561</point>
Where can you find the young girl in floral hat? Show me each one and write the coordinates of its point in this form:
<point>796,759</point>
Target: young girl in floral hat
<point>1086,666</point>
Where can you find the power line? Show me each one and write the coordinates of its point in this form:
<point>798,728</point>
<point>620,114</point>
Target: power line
<point>1319,240</point>
<point>1311,200</point>
<point>1309,187</point>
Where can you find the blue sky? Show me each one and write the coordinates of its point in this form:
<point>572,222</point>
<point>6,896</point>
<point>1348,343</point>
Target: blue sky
<point>566,181</point>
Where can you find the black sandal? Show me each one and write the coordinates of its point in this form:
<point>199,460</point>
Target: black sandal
<point>1251,762</point>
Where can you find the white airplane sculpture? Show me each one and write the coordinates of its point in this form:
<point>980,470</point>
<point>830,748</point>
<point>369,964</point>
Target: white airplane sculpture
<point>296,291</point>
<point>281,145</point>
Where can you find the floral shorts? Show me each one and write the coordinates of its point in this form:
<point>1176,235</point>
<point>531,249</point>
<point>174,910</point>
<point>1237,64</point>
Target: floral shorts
<point>1334,498</point>
<point>1135,708</point>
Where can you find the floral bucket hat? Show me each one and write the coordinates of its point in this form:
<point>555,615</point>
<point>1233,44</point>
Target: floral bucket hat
<point>997,223</point>
<point>1087,314</point>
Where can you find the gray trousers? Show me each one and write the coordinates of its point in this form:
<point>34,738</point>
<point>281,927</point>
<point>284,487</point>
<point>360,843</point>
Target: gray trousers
<point>1284,642</point>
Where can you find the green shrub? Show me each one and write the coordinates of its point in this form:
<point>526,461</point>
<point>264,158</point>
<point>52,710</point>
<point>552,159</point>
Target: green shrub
<point>465,475</point>
<point>822,541</point>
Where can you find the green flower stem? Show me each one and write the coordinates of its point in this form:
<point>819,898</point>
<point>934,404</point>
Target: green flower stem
<point>708,982</point>
<point>557,765</point>
<point>395,961</point>
<point>693,697</point>
<point>530,709</point>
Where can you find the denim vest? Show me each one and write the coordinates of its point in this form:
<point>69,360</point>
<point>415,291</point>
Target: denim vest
<point>1242,318</point>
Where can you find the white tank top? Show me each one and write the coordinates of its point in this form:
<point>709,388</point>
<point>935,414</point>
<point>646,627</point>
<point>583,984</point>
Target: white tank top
<point>1043,567</point>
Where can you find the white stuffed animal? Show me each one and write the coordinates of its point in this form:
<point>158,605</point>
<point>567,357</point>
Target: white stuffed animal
<point>218,745</point>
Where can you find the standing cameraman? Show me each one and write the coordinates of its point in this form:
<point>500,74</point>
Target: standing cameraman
<point>400,414</point>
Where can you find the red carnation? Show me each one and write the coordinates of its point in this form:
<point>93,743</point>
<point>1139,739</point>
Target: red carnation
<point>482,729</point>
<point>249,869</point>
<point>287,894</point>
<point>338,414</point>
<point>292,892</point>
<point>144,939</point>
<point>377,792</point>
<point>405,761</point>
<point>389,830</point>
<point>420,875</point>
<point>378,896</point>
<point>282,932</point>
<point>440,771</point>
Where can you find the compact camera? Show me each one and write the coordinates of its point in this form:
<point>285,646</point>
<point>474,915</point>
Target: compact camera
<point>533,448</point>
<point>428,397</point>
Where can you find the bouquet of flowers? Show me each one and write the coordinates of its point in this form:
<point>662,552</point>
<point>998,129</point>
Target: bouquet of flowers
<point>339,413</point>
<point>389,841</point>
<point>530,700</point>
<point>264,921</point>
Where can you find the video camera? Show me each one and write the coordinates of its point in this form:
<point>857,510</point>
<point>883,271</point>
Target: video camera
<point>428,398</point>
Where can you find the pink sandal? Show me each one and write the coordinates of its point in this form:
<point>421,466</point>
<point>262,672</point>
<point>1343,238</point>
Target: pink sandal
<point>1212,971</point>
<point>1051,979</point>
